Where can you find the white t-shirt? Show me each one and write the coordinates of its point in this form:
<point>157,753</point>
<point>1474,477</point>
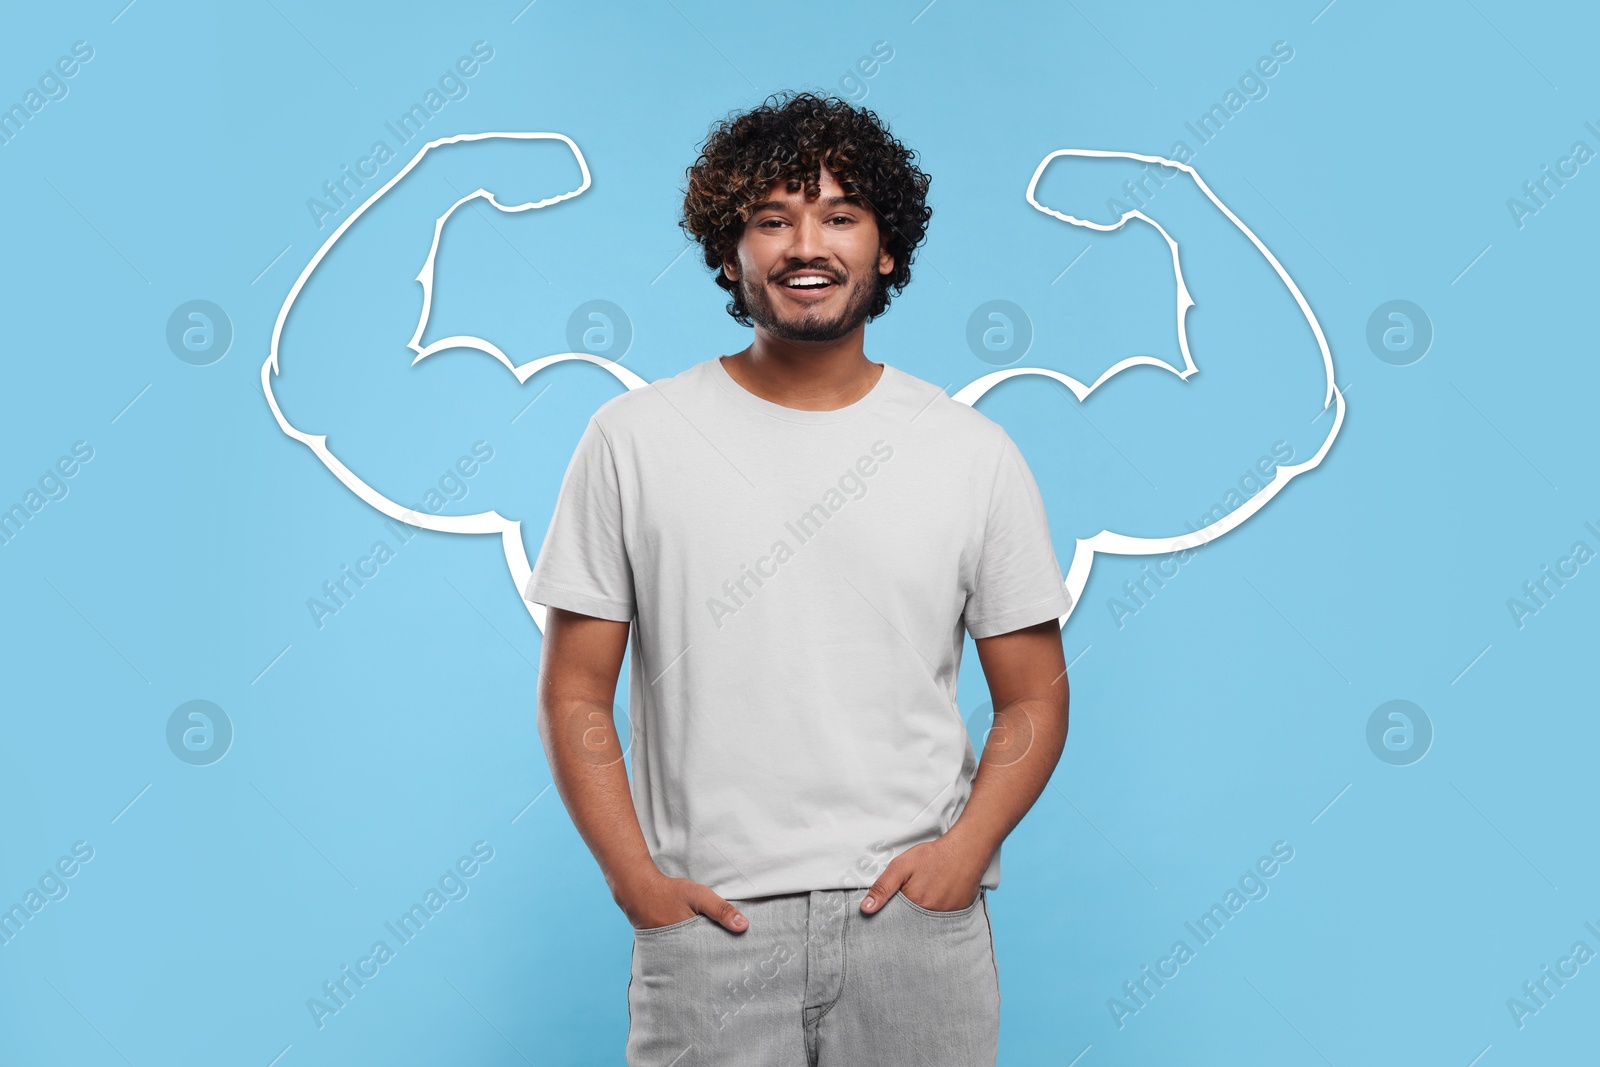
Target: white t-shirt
<point>798,583</point>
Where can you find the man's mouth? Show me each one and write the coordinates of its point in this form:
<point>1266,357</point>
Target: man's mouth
<point>807,282</point>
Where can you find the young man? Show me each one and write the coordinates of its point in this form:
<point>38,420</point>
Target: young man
<point>799,536</point>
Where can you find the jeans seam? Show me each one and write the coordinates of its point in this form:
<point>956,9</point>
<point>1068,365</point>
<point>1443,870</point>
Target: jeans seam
<point>627,994</point>
<point>993,963</point>
<point>844,964</point>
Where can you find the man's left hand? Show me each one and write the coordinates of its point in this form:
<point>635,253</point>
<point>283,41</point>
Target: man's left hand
<point>938,875</point>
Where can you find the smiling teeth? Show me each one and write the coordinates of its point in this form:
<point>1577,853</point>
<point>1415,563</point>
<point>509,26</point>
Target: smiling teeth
<point>808,283</point>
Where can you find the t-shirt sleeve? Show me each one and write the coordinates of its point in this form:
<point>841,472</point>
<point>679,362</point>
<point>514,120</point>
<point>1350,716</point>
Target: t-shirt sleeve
<point>1018,581</point>
<point>583,564</point>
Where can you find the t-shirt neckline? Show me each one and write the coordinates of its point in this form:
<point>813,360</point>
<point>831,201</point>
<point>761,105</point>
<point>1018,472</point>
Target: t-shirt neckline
<point>779,411</point>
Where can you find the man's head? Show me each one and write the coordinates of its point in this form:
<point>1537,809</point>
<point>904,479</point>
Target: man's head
<point>806,186</point>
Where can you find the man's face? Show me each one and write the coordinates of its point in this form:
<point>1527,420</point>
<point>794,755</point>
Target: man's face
<point>832,241</point>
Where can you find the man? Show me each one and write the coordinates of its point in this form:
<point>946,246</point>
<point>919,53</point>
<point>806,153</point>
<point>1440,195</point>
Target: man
<point>798,536</point>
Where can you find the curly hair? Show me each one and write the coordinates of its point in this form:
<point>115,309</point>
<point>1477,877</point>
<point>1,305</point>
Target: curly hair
<point>790,137</point>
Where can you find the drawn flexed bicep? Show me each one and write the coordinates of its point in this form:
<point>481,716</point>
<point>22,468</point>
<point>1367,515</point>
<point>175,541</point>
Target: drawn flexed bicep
<point>360,308</point>
<point>1243,372</point>
<point>381,384</point>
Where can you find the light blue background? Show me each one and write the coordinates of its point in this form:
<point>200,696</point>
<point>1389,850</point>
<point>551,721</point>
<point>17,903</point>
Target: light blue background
<point>1229,713</point>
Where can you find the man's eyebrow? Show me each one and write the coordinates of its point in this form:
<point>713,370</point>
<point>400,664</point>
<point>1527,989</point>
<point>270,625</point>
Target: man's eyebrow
<point>852,199</point>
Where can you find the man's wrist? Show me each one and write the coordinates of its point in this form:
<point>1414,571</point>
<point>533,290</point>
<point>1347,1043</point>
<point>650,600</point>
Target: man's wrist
<point>626,880</point>
<point>974,839</point>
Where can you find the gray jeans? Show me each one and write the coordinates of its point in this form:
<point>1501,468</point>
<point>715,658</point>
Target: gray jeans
<point>814,982</point>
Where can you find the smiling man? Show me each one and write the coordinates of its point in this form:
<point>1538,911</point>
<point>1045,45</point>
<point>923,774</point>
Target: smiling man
<point>796,538</point>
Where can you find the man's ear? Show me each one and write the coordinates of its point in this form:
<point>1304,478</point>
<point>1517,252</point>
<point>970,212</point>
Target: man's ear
<point>885,259</point>
<point>730,268</point>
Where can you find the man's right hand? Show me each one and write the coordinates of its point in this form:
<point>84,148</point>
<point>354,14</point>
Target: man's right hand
<point>661,901</point>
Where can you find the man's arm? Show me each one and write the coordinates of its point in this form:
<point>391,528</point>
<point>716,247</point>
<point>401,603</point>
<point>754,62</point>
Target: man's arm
<point>579,663</point>
<point>1027,677</point>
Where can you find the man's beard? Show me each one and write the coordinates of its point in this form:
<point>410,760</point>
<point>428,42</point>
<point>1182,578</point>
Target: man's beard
<point>808,324</point>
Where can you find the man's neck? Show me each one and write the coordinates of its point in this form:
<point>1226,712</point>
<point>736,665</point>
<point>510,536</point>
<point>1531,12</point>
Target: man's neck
<point>808,375</point>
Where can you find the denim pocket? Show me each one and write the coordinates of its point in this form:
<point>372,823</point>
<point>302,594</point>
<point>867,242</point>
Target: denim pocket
<point>674,926</point>
<point>943,914</point>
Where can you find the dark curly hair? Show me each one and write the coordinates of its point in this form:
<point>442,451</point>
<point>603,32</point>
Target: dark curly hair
<point>789,137</point>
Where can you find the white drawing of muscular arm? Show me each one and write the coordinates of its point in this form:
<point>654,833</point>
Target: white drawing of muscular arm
<point>379,252</point>
<point>1200,218</point>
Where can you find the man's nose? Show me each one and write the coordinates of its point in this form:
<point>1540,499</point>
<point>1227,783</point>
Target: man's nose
<point>808,243</point>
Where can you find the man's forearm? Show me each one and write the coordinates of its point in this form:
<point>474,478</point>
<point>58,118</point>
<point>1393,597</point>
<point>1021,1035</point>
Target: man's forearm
<point>1023,748</point>
<point>585,756</point>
